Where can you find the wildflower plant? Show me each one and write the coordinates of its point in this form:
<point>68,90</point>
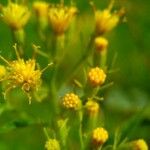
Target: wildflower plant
<point>70,85</point>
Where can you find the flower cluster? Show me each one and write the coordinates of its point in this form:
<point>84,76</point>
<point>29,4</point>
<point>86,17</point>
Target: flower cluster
<point>78,112</point>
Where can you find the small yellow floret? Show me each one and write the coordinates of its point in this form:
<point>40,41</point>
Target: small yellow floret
<point>101,44</point>
<point>2,71</point>
<point>52,144</point>
<point>96,76</point>
<point>99,136</point>
<point>139,145</point>
<point>105,21</point>
<point>15,15</point>
<point>60,18</point>
<point>71,101</point>
<point>92,107</point>
<point>41,8</point>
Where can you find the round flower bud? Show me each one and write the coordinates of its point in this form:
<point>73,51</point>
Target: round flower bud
<point>139,144</point>
<point>96,76</point>
<point>71,101</point>
<point>92,107</point>
<point>101,44</point>
<point>99,136</point>
<point>52,144</point>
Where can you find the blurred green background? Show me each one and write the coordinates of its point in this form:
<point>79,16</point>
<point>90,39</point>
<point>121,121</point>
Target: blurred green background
<point>127,100</point>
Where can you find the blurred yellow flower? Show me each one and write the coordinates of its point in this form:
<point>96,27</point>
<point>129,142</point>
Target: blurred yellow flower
<point>96,76</point>
<point>15,15</point>
<point>139,144</point>
<point>60,18</point>
<point>92,107</point>
<point>105,21</point>
<point>101,44</point>
<point>71,101</point>
<point>41,8</point>
<point>99,136</point>
<point>52,144</point>
<point>2,71</point>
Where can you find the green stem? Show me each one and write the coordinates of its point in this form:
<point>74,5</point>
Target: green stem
<point>103,59</point>
<point>80,129</point>
<point>46,133</point>
<point>58,46</point>
<point>81,61</point>
<point>18,37</point>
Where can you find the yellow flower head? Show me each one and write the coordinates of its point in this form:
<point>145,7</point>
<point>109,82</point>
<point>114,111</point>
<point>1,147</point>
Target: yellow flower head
<point>92,107</point>
<point>41,8</point>
<point>101,44</point>
<point>15,15</point>
<point>60,18</point>
<point>99,136</point>
<point>24,73</point>
<point>71,101</point>
<point>2,71</point>
<point>52,144</point>
<point>96,76</point>
<point>105,21</point>
<point>139,145</point>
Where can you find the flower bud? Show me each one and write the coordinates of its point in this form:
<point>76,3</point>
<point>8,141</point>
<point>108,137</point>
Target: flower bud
<point>71,101</point>
<point>139,144</point>
<point>99,136</point>
<point>96,76</point>
<point>52,144</point>
<point>101,44</point>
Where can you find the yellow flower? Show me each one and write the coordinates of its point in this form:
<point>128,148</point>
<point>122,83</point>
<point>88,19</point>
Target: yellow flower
<point>41,8</point>
<point>15,15</point>
<point>24,73</point>
<point>105,21</point>
<point>52,144</point>
<point>99,136</point>
<point>92,107</point>
<point>96,76</point>
<point>139,144</point>
<point>101,44</point>
<point>71,101</point>
<point>2,71</point>
<point>60,18</point>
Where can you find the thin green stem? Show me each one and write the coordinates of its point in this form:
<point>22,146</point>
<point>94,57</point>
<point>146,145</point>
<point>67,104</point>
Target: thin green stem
<point>81,61</point>
<point>80,130</point>
<point>46,133</point>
